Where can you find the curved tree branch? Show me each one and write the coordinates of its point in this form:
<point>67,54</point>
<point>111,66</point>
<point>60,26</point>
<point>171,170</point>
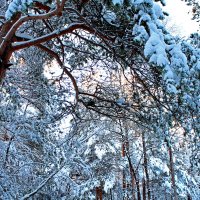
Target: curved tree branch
<point>21,20</point>
<point>67,72</point>
<point>54,34</point>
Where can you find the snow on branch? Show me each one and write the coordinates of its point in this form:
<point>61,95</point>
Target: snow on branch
<point>22,6</point>
<point>43,183</point>
<point>20,20</point>
<point>56,33</point>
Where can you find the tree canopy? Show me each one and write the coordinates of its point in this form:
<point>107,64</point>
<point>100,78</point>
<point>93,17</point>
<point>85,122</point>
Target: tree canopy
<point>98,101</point>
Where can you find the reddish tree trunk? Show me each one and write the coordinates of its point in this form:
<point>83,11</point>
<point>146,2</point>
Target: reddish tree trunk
<point>99,193</point>
<point>134,178</point>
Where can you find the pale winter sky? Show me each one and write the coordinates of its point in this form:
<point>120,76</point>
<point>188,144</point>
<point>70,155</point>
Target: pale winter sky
<point>178,11</point>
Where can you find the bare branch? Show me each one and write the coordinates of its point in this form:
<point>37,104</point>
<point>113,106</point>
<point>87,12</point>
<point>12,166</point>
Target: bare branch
<point>56,56</point>
<point>67,72</point>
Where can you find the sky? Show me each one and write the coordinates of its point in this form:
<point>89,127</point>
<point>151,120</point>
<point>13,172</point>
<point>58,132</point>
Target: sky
<point>178,11</point>
<point>179,16</point>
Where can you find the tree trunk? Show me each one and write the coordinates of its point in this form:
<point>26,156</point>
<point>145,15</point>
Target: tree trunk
<point>123,173</point>
<point>146,166</point>
<point>111,194</point>
<point>172,170</point>
<point>4,64</point>
<point>125,150</point>
<point>99,193</point>
<point>136,181</point>
<point>5,45</point>
<point>132,183</point>
<point>144,189</point>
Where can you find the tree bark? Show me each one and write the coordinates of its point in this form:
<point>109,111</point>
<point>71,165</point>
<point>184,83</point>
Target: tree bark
<point>146,166</point>
<point>144,189</point>
<point>136,180</point>
<point>99,193</point>
<point>171,163</point>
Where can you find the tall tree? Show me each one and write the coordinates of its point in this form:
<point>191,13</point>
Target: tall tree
<point>105,74</point>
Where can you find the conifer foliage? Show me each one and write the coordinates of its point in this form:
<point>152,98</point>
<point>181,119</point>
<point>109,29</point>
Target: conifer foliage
<point>97,101</point>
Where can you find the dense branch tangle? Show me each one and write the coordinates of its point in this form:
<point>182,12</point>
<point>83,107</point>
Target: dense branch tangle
<point>107,70</point>
<point>69,19</point>
<point>90,36</point>
<point>44,26</point>
<point>68,32</point>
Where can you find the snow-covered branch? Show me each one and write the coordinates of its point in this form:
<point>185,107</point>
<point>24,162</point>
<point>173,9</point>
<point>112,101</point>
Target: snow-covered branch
<point>42,184</point>
<point>54,34</point>
<point>18,23</point>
